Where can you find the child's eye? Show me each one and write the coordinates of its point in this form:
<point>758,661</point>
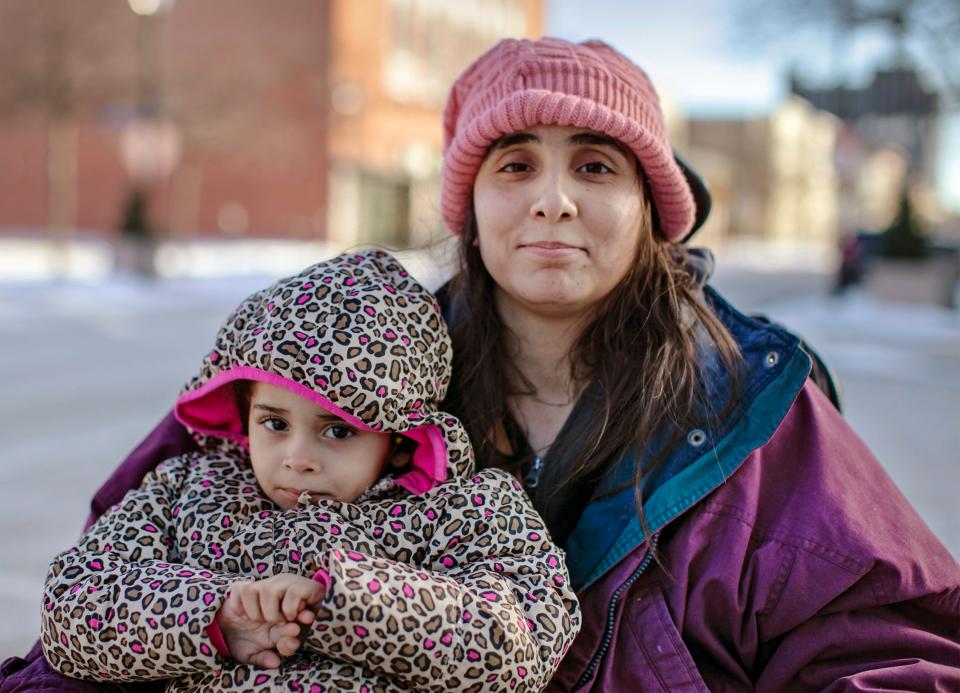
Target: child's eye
<point>337,431</point>
<point>274,424</point>
<point>595,167</point>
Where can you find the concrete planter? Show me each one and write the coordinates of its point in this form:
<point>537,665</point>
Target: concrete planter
<point>931,280</point>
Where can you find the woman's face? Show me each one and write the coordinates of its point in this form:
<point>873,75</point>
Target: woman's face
<point>559,213</point>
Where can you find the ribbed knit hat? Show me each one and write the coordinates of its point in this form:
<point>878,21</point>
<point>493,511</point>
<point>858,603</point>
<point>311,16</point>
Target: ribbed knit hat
<point>521,83</point>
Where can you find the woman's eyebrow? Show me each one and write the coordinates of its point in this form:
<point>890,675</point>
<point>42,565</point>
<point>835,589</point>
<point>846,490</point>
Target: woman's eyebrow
<point>595,140</point>
<point>515,138</point>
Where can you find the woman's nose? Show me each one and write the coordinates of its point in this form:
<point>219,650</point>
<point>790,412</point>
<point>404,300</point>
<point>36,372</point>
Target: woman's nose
<point>553,202</point>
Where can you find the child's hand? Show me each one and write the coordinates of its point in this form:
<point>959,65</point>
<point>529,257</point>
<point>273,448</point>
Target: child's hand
<point>261,620</point>
<point>280,598</point>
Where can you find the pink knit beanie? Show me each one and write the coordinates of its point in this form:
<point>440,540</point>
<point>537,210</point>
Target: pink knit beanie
<point>521,83</point>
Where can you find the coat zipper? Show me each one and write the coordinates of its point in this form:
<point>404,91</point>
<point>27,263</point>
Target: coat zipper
<point>533,476</point>
<point>611,614</point>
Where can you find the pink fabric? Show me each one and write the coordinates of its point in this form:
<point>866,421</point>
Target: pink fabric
<point>212,410</point>
<point>322,576</point>
<point>216,637</point>
<point>520,83</point>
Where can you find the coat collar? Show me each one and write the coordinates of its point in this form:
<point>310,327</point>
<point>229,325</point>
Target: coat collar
<point>773,371</point>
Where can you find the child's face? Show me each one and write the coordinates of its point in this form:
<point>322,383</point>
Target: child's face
<point>297,446</point>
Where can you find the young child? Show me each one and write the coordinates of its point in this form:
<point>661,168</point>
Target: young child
<point>331,534</point>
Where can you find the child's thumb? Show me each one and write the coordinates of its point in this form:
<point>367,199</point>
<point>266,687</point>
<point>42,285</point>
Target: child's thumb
<point>306,617</point>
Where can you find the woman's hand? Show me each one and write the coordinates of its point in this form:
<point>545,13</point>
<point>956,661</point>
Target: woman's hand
<point>260,621</point>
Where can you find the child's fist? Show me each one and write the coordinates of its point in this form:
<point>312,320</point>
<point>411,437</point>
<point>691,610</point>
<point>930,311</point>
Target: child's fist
<point>260,621</point>
<point>283,597</point>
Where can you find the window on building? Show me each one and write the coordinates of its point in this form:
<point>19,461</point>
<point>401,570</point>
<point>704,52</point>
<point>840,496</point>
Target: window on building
<point>384,209</point>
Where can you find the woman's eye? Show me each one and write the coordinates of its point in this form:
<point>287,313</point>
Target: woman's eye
<point>275,425</point>
<point>515,167</point>
<point>338,432</point>
<point>596,167</point>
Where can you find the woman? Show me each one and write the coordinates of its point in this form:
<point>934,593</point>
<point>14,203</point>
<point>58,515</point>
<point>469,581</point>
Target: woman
<point>724,527</point>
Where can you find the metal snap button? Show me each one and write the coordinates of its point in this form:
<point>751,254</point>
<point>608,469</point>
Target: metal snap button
<point>771,359</point>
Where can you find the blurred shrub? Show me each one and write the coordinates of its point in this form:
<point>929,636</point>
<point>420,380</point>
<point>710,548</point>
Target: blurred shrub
<point>905,238</point>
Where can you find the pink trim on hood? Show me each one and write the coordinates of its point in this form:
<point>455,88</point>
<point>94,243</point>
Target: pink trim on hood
<point>212,410</point>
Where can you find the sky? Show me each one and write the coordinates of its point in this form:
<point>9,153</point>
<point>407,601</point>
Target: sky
<point>687,46</point>
<point>701,55</point>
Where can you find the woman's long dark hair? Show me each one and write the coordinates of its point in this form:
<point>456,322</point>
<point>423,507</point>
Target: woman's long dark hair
<point>642,349</point>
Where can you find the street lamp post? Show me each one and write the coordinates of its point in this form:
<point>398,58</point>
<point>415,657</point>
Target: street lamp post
<point>150,144</point>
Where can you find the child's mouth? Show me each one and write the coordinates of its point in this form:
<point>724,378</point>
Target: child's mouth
<point>315,496</point>
<point>296,496</point>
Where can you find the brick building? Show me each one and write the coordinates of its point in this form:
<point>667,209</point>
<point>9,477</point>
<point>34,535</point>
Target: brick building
<point>300,119</point>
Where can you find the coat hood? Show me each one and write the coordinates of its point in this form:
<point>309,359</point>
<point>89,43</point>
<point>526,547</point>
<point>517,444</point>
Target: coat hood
<point>356,335</point>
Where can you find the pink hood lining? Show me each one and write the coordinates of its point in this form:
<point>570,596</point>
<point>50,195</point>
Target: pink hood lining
<point>212,410</point>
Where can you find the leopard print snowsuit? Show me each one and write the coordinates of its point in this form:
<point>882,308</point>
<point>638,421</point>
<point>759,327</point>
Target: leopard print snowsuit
<point>441,577</point>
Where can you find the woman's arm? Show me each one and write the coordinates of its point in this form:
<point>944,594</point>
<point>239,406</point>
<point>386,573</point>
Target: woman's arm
<point>489,605</point>
<point>119,605</point>
<point>870,598</point>
<point>809,570</point>
<point>912,645</point>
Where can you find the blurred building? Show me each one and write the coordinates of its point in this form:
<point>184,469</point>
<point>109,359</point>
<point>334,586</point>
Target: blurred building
<point>772,178</point>
<point>305,118</point>
<point>889,140</point>
<point>894,110</point>
<point>388,82</point>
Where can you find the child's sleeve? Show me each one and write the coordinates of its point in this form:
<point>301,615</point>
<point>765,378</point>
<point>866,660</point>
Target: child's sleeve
<point>119,605</point>
<point>489,606</point>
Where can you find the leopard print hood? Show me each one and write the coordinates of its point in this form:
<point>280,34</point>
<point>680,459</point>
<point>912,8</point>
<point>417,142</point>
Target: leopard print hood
<point>356,335</point>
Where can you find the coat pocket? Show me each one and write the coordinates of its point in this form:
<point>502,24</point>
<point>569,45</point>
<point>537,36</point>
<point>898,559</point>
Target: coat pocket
<point>660,660</point>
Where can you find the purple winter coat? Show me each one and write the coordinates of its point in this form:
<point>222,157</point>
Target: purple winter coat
<point>827,580</point>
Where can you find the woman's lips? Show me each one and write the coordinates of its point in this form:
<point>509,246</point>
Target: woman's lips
<point>551,249</point>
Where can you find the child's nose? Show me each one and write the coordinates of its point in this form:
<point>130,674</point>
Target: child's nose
<point>301,463</point>
<point>302,458</point>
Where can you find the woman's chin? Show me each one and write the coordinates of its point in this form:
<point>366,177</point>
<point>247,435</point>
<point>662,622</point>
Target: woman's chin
<point>556,299</point>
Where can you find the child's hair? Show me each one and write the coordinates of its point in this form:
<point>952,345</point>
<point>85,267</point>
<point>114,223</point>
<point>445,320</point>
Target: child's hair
<point>243,391</point>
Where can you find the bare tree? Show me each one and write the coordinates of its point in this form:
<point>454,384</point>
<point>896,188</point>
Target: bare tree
<point>925,32</point>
